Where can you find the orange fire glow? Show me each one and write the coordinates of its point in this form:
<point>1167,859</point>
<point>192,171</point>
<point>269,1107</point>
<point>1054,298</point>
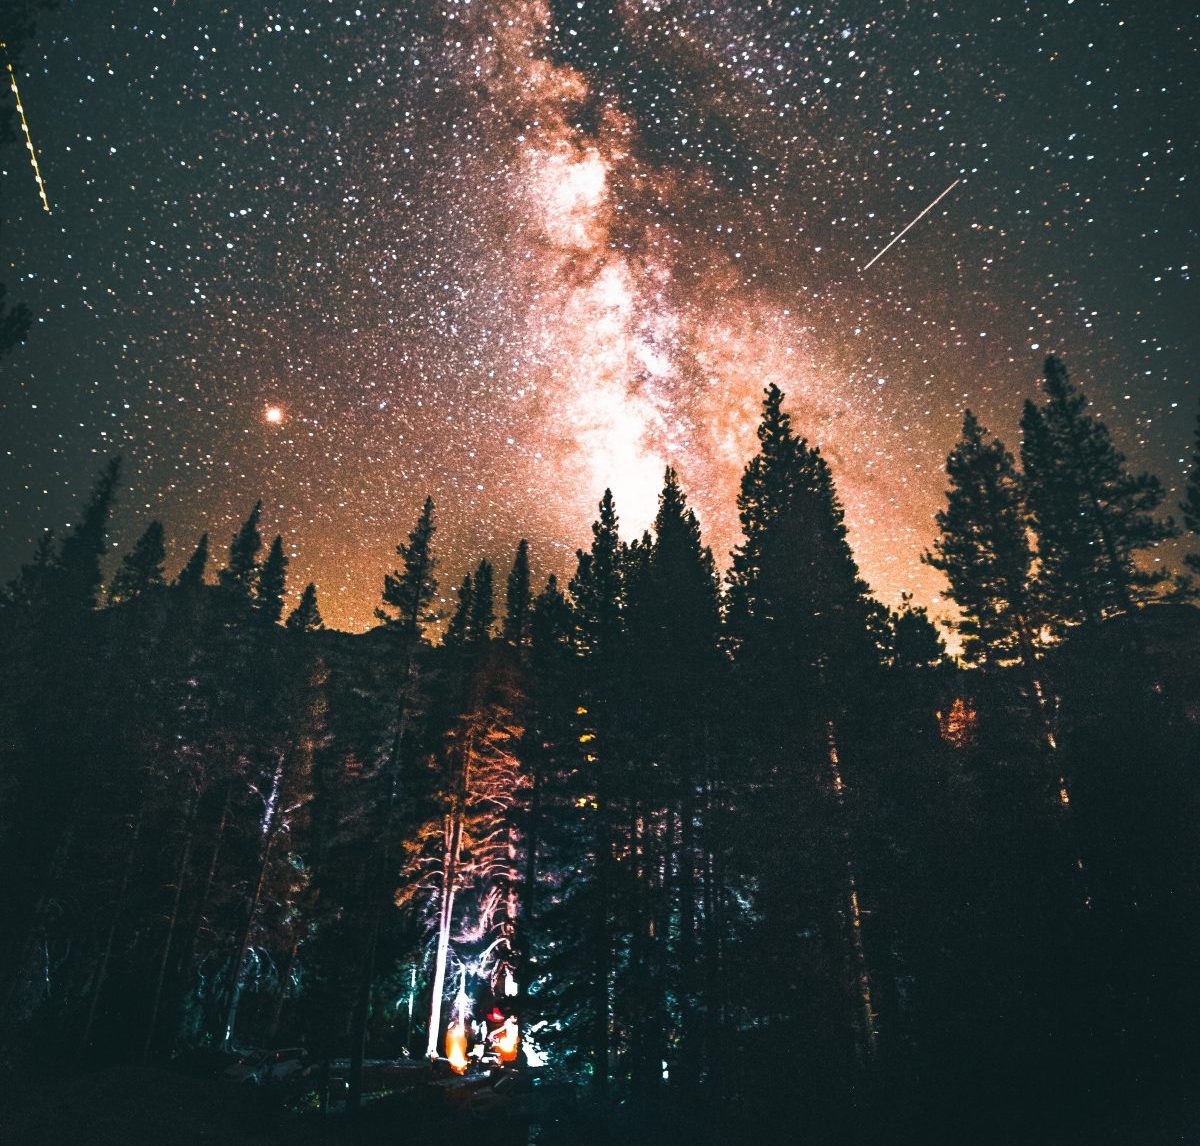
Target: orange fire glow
<point>456,1047</point>
<point>506,1040</point>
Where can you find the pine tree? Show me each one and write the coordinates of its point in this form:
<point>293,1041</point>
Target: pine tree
<point>681,577</point>
<point>808,594</point>
<point>191,576</point>
<point>77,576</point>
<point>306,616</point>
<point>241,574</point>
<point>766,490</point>
<point>1191,500</point>
<point>517,597</point>
<point>800,612</point>
<point>411,590</point>
<point>671,596</point>
<point>597,586</point>
<point>471,864</point>
<point>52,666</point>
<point>916,643</point>
<point>983,550</point>
<point>458,632</point>
<point>1091,515</point>
<point>598,590</point>
<point>272,581</point>
<point>483,613</point>
<point>30,587</point>
<point>294,725</point>
<point>141,569</point>
<point>550,621</point>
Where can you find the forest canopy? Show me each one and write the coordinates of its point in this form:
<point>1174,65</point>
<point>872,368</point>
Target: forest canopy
<point>661,834</point>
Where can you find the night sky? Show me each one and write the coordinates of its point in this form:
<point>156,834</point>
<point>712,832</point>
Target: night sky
<point>506,254</point>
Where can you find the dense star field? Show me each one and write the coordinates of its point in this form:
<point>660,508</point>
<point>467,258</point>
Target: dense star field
<point>507,253</point>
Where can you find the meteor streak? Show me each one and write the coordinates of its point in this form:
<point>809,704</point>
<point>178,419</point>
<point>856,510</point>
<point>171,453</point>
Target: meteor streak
<point>896,238</point>
<point>37,174</point>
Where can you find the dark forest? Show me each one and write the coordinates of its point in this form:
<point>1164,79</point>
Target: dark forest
<point>709,859</point>
<point>841,788</point>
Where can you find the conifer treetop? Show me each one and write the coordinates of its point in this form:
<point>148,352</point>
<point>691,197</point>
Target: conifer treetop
<point>141,569</point>
<point>241,573</point>
<point>306,616</point>
<point>409,591</point>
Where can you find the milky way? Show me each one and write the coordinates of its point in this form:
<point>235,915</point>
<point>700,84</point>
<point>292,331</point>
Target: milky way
<point>509,253</point>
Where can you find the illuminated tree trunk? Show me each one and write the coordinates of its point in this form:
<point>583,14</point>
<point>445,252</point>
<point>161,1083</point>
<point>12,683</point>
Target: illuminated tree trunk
<point>118,909</point>
<point>450,857</point>
<point>867,1024</point>
<point>1029,662</point>
<point>526,917</point>
<point>266,846</point>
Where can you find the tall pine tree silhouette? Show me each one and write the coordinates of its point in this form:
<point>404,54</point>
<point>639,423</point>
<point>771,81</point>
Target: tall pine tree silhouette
<point>765,491</point>
<point>517,597</point>
<point>240,575</point>
<point>483,611</point>
<point>77,573</point>
<point>1091,515</point>
<point>272,581</point>
<point>409,592</point>
<point>458,631</point>
<point>800,613</point>
<point>191,576</point>
<point>984,552</point>
<point>306,616</point>
<point>141,569</point>
<point>671,593</point>
<point>597,587</point>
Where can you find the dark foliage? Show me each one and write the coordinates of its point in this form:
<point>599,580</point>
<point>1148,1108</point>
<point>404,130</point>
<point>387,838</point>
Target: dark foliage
<point>767,865</point>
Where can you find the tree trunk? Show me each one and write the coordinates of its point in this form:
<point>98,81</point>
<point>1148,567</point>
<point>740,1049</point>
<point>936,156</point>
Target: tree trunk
<point>714,983</point>
<point>34,935</point>
<point>234,984</point>
<point>281,995</point>
<point>1029,660</point>
<point>867,1024</point>
<point>362,1007</point>
<point>185,958</point>
<point>118,908</point>
<point>601,949</point>
<point>185,858</point>
<point>686,1070</point>
<point>525,918</point>
<point>379,891</point>
<point>450,856</point>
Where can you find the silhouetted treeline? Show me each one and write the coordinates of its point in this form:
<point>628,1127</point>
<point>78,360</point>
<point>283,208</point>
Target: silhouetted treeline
<point>738,854</point>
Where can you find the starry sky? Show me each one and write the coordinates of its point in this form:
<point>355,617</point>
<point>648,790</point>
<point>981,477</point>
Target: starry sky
<point>508,252</point>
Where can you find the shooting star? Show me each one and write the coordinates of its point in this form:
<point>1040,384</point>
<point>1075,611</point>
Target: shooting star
<point>900,235</point>
<point>37,173</point>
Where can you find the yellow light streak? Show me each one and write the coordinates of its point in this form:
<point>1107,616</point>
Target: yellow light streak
<point>37,173</point>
